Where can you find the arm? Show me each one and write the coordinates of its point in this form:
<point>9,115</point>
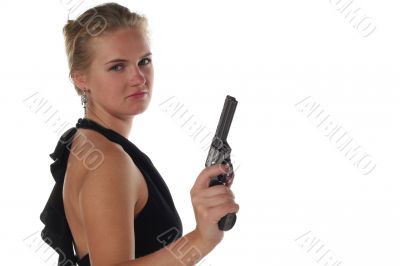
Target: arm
<point>209,205</point>
<point>107,202</point>
<point>187,250</point>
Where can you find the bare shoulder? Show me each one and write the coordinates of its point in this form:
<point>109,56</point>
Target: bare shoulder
<point>90,148</point>
<point>103,163</point>
<point>106,200</point>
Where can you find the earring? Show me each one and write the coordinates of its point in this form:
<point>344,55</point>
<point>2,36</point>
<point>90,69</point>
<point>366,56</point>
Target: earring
<point>84,100</point>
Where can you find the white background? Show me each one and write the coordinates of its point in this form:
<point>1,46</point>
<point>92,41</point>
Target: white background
<point>269,55</point>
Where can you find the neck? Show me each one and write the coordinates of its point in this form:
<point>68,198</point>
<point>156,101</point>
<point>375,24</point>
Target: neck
<point>121,125</point>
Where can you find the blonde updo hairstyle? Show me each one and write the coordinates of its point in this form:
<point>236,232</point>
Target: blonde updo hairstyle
<point>95,22</point>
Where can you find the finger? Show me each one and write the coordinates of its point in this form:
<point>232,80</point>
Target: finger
<point>207,173</point>
<point>216,213</point>
<point>216,191</point>
<point>229,179</point>
<point>218,200</point>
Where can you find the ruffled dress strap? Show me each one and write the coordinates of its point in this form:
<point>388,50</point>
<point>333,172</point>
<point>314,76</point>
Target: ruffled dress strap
<point>56,232</point>
<point>148,224</point>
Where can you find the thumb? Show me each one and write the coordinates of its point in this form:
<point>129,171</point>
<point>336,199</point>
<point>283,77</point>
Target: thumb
<point>207,173</point>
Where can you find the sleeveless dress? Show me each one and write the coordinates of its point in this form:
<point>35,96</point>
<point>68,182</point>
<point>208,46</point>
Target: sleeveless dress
<point>158,217</point>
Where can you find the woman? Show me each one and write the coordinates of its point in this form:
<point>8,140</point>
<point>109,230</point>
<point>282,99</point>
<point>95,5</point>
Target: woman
<point>109,202</point>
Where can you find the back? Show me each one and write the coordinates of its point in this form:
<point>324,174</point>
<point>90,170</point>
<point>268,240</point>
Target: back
<point>108,203</point>
<point>116,175</point>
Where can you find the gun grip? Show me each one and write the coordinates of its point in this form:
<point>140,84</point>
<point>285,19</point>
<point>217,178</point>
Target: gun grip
<point>228,221</point>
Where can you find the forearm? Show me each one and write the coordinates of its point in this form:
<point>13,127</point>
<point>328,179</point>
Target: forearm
<point>187,250</point>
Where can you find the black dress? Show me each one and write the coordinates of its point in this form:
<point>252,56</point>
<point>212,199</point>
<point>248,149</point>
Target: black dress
<point>157,225</point>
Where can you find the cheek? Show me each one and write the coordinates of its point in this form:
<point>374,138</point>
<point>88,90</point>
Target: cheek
<point>107,89</point>
<point>108,84</point>
<point>111,79</point>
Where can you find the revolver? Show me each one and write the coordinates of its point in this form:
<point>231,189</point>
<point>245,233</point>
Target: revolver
<point>220,152</point>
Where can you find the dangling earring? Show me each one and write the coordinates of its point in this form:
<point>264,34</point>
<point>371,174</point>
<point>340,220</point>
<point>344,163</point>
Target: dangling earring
<point>84,100</point>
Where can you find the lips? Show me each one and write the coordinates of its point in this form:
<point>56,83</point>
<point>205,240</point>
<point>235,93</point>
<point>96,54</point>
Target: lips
<point>139,93</point>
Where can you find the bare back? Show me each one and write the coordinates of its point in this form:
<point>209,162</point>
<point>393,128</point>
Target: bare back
<point>76,175</point>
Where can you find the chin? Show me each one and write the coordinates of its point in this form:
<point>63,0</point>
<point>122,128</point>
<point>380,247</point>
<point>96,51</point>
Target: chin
<point>139,111</point>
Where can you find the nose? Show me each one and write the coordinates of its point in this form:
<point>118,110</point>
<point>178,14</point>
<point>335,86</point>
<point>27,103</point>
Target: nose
<point>137,77</point>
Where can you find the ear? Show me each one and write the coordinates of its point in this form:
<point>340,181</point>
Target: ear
<point>80,79</point>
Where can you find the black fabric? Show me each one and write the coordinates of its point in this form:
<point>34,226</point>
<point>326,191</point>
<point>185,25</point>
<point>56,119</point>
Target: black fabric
<point>157,217</point>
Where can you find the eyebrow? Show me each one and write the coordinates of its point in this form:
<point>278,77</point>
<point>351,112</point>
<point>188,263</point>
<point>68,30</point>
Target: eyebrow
<point>124,60</point>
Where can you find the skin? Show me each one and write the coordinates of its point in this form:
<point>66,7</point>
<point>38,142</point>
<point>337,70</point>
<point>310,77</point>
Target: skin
<point>108,85</point>
<point>101,204</point>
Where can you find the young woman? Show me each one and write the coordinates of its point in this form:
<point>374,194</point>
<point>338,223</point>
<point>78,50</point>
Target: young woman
<point>110,206</point>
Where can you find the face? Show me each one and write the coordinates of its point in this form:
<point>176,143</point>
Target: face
<point>121,66</point>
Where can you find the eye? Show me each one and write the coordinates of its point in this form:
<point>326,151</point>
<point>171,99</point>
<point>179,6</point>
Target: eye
<point>114,68</point>
<point>147,59</point>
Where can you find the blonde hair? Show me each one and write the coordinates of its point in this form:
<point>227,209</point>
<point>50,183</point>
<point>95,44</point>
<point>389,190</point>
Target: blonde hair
<point>93,23</point>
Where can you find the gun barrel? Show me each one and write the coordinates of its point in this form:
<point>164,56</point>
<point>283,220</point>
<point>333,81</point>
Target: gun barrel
<point>225,120</point>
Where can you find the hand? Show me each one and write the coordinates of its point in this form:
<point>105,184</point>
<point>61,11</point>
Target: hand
<point>210,204</point>
<point>230,176</point>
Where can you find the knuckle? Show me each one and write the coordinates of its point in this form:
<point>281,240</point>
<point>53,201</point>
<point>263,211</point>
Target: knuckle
<point>235,207</point>
<point>195,200</point>
<point>231,206</point>
<point>227,190</point>
<point>220,189</point>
